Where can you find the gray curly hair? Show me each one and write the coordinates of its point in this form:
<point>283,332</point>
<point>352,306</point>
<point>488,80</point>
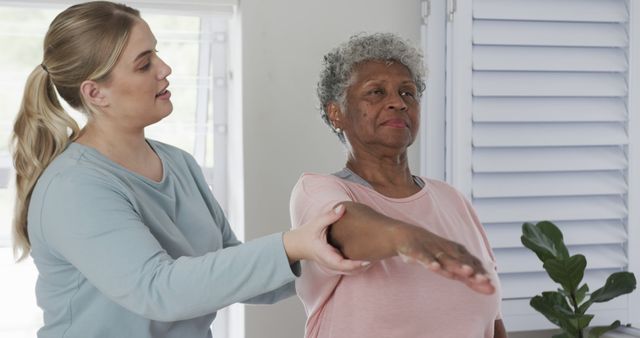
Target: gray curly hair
<point>340,62</point>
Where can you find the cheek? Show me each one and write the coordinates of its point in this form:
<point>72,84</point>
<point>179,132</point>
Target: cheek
<point>364,109</point>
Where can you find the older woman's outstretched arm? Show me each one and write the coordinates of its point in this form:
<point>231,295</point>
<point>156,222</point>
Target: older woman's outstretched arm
<point>365,234</point>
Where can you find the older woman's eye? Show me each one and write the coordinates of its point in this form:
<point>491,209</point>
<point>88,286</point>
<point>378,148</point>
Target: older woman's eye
<point>377,91</point>
<point>408,93</point>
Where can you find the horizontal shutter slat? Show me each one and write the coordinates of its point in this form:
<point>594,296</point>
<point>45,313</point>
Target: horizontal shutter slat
<point>537,33</point>
<point>548,159</point>
<point>549,59</point>
<point>513,260</point>
<point>551,134</point>
<point>551,84</point>
<point>507,235</point>
<point>548,109</point>
<point>549,184</point>
<point>503,210</point>
<point>552,10</point>
<point>529,284</point>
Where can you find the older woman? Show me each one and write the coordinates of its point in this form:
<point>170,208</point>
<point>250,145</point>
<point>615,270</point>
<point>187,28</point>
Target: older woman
<point>369,92</point>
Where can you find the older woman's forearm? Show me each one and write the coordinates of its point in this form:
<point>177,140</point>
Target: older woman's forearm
<point>365,234</point>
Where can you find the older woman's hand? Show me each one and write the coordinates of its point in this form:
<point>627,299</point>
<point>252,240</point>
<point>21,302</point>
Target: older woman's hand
<point>442,256</point>
<point>309,242</point>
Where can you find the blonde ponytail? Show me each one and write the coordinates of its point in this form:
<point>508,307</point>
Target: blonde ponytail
<point>41,132</point>
<point>82,43</point>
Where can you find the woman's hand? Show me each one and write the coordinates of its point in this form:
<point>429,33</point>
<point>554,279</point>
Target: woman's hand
<point>309,242</point>
<point>440,255</point>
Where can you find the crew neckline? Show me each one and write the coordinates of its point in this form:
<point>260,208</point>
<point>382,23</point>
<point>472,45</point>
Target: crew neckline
<point>346,172</point>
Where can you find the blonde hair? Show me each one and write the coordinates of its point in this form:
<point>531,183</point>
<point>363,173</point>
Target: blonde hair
<point>83,42</point>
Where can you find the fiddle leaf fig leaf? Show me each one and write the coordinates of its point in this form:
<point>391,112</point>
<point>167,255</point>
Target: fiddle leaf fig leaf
<point>566,272</point>
<point>564,293</point>
<point>581,293</point>
<point>580,321</point>
<point>598,331</point>
<point>619,283</point>
<point>555,308</point>
<point>545,240</point>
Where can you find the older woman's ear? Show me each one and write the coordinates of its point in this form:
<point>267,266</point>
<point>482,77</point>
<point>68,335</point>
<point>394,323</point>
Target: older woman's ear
<point>334,113</point>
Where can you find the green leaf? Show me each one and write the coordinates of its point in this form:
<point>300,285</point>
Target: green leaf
<point>617,284</point>
<point>580,321</point>
<point>555,308</point>
<point>544,239</point>
<point>581,293</point>
<point>567,272</point>
<point>598,331</point>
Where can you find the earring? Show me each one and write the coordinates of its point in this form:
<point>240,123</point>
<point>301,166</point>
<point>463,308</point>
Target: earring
<point>336,129</point>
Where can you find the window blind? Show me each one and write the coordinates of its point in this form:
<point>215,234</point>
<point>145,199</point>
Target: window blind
<point>547,137</point>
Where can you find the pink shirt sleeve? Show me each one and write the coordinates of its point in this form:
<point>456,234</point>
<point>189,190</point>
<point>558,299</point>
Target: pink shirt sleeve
<point>312,196</point>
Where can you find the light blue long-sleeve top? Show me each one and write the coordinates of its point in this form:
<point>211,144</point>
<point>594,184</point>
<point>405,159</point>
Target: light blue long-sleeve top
<point>120,255</point>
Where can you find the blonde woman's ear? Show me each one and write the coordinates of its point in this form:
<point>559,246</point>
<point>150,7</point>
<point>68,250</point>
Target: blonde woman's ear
<point>93,94</point>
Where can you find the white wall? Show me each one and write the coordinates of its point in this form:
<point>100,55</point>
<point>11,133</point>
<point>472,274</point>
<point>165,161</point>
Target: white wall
<point>283,45</point>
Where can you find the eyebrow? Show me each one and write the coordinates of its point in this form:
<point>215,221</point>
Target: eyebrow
<point>146,52</point>
<point>376,81</point>
<point>143,54</point>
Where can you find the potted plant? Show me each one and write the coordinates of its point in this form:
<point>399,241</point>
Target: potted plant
<point>567,307</point>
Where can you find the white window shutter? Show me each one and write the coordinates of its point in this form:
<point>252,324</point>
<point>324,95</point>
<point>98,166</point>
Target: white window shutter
<point>538,116</point>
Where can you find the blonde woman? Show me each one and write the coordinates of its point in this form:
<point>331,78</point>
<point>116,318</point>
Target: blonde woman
<point>125,233</point>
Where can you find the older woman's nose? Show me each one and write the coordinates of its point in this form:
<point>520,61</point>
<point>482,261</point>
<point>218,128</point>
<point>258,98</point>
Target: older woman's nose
<point>396,102</point>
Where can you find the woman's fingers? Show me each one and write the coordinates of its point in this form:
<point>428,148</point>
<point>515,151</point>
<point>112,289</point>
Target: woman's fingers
<point>322,252</point>
<point>329,217</point>
<point>468,276</point>
<point>450,260</point>
<point>333,260</point>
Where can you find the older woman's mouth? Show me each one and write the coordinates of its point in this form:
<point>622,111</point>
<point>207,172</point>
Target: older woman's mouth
<point>396,123</point>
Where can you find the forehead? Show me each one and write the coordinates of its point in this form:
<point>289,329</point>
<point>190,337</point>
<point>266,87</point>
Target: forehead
<point>380,69</point>
<point>141,39</point>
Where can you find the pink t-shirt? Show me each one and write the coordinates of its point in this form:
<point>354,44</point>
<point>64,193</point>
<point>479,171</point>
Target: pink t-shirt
<point>392,298</point>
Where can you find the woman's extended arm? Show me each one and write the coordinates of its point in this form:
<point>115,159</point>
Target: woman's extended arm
<point>364,234</point>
